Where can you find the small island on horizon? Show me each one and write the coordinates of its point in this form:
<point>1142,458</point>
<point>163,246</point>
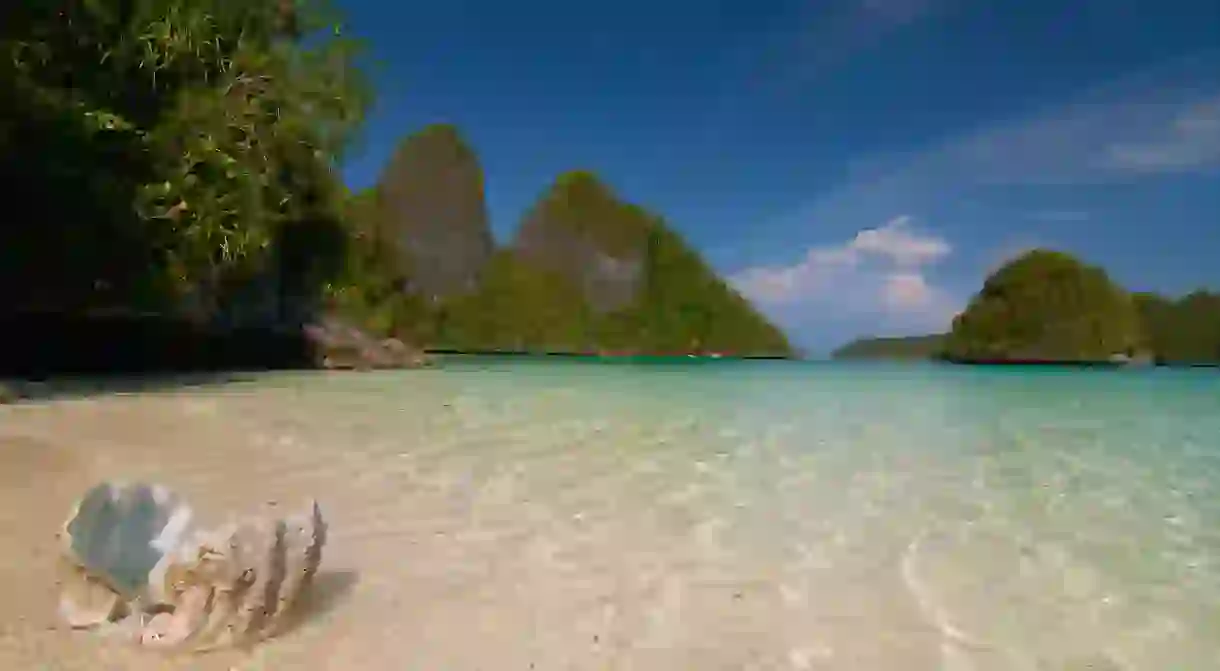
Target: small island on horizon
<point>1049,308</point>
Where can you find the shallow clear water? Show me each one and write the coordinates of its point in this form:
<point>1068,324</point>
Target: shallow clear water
<point>767,515</point>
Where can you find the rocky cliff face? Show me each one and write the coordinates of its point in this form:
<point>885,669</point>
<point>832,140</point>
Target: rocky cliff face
<point>645,288</point>
<point>580,230</point>
<point>586,270</point>
<point>430,200</point>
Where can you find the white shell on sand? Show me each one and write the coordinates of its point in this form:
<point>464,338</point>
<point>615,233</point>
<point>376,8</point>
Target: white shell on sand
<point>130,553</point>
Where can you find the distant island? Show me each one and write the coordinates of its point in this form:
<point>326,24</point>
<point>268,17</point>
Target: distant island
<point>896,348</point>
<point>1048,307</point>
<point>191,215</point>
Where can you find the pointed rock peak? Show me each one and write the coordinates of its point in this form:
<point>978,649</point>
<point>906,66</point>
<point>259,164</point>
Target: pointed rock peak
<point>430,200</point>
<point>445,130</point>
<point>580,178</point>
<point>437,139</point>
<point>582,184</point>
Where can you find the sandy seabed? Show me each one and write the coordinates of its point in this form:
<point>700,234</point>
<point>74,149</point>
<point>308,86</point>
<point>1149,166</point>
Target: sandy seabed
<point>565,529</point>
<point>444,552</point>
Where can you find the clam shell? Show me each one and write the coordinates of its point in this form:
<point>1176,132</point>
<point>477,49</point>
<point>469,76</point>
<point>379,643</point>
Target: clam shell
<point>119,533</point>
<point>304,537</point>
<point>85,601</point>
<point>131,548</point>
<point>240,582</point>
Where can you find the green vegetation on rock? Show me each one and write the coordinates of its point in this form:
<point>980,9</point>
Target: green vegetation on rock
<point>906,348</point>
<point>1046,306</point>
<point>589,272</point>
<point>1182,331</point>
<point>517,307</point>
<point>586,272</point>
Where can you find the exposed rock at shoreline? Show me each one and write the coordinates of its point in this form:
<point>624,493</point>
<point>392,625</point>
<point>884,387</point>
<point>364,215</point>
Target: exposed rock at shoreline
<point>53,344</point>
<point>338,345</point>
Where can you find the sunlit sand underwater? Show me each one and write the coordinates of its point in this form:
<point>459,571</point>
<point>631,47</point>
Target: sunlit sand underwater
<point>509,514</point>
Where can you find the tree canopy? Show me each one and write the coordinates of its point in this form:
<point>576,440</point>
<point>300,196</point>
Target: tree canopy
<point>1175,331</point>
<point>646,288</point>
<point>1182,331</point>
<point>1046,306</point>
<point>164,151</point>
<point>920,347</point>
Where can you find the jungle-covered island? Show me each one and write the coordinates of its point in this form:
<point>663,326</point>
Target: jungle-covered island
<point>1049,307</point>
<point>172,167</point>
<point>892,348</point>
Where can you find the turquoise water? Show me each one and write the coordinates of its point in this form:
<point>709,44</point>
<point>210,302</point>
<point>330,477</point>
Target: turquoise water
<point>898,517</point>
<point>770,515</point>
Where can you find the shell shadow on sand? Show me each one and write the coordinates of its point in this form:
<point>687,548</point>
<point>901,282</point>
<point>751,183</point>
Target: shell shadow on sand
<point>328,591</point>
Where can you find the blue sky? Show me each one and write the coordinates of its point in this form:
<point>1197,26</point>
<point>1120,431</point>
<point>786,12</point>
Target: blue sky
<point>854,166</point>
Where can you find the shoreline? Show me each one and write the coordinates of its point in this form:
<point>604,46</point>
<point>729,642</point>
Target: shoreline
<point>42,345</point>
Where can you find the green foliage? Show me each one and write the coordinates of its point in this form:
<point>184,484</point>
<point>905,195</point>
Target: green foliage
<point>368,289</point>
<point>536,296</point>
<point>518,307</point>
<point>539,294</point>
<point>198,133</point>
<point>1046,306</point>
<point>1181,331</point>
<point>580,204</point>
<point>1186,330</point>
<point>915,348</point>
<point>685,306</point>
<point>671,303</point>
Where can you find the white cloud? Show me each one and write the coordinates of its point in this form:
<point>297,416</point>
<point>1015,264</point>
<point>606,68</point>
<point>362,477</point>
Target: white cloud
<point>1190,139</point>
<point>898,243</point>
<point>1132,127</point>
<point>880,271</point>
<point>824,36</point>
<point>1158,121</point>
<point>1163,120</point>
<point>907,291</point>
